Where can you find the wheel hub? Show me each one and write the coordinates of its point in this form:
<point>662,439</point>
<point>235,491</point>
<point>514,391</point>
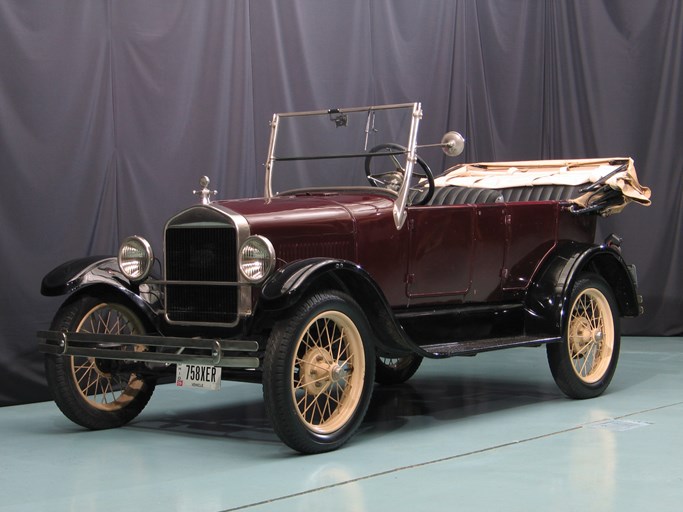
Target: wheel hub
<point>103,367</point>
<point>339,372</point>
<point>316,370</point>
<point>319,371</point>
<point>582,334</point>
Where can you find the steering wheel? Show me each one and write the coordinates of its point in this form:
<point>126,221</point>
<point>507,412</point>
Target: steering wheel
<point>394,179</point>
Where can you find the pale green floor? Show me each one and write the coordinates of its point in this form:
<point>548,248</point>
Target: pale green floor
<point>490,433</point>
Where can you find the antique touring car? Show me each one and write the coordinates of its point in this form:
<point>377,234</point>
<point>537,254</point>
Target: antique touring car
<point>355,265</point>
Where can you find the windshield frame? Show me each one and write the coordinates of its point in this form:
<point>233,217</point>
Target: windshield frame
<point>401,201</point>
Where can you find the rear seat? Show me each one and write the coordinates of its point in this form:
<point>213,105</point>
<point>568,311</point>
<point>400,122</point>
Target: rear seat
<point>451,195</point>
<point>540,193</point>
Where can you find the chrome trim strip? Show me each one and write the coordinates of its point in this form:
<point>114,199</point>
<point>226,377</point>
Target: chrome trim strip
<point>268,193</point>
<point>198,283</point>
<point>411,158</point>
<point>91,345</point>
<point>352,109</point>
<point>62,337</point>
<point>243,232</point>
<point>202,324</point>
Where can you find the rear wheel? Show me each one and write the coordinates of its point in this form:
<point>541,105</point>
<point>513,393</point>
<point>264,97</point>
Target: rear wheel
<point>318,373</point>
<point>92,392</point>
<point>584,363</point>
<point>396,370</point>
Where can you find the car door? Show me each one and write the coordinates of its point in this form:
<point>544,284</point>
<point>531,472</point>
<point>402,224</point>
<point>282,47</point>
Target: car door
<point>440,254</point>
<point>531,232</point>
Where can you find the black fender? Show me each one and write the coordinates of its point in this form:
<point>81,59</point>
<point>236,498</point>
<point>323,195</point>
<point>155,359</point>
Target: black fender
<point>547,300</point>
<point>102,271</point>
<point>285,287</point>
<point>290,283</point>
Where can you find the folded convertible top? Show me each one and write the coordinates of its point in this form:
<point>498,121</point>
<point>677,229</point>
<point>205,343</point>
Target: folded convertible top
<point>610,183</point>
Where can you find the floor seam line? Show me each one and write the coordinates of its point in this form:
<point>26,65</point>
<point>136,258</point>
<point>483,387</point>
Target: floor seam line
<point>403,468</point>
<point>645,411</point>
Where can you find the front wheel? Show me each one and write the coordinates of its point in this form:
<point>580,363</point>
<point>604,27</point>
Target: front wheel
<point>318,373</point>
<point>95,393</point>
<point>584,362</point>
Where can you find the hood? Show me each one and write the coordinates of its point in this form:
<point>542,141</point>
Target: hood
<point>306,215</point>
<point>316,225</point>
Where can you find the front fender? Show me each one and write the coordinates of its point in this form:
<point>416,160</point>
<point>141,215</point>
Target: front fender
<point>73,275</point>
<point>283,289</point>
<point>78,274</point>
<point>547,302</point>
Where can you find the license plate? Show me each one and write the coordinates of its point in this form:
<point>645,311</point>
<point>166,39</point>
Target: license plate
<point>195,376</point>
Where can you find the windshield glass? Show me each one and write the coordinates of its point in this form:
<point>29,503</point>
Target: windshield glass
<point>329,148</point>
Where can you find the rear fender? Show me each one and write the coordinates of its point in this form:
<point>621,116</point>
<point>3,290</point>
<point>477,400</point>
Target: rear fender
<point>547,302</point>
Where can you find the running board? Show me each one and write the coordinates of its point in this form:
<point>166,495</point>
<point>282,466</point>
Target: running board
<point>473,347</point>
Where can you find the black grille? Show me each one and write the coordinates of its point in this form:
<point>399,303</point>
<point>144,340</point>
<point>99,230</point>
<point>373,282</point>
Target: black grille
<point>201,253</point>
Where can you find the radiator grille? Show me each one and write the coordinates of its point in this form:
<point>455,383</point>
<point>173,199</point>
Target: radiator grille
<point>201,253</point>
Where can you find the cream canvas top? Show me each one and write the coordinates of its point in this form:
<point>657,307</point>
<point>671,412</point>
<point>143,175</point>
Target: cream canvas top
<point>616,173</point>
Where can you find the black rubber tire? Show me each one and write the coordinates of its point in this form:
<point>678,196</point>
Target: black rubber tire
<point>584,362</point>
<point>396,370</point>
<point>318,373</point>
<point>89,391</point>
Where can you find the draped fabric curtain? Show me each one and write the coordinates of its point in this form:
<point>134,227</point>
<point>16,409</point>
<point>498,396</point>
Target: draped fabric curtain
<point>111,110</point>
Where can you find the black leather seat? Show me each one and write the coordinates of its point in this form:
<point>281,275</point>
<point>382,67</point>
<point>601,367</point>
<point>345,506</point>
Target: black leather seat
<point>460,195</point>
<point>540,193</point>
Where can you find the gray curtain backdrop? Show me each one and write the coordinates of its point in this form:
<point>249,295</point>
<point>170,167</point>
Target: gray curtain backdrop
<point>110,110</point>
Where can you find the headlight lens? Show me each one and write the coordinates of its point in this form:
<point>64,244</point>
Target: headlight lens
<point>257,258</point>
<point>135,258</point>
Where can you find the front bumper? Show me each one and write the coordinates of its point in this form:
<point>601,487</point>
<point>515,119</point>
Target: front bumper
<point>152,349</point>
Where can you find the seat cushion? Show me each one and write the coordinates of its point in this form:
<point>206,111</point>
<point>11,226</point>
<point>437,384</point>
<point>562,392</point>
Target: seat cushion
<point>452,195</point>
<point>540,193</point>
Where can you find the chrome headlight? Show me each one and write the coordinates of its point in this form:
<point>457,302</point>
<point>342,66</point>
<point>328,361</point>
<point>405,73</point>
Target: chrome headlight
<point>135,258</point>
<point>257,258</point>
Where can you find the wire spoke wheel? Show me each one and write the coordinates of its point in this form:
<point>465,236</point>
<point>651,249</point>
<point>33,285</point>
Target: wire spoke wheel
<point>584,362</point>
<point>93,392</point>
<point>97,383</point>
<point>318,372</point>
<point>591,335</point>
<point>328,372</point>
<point>396,370</point>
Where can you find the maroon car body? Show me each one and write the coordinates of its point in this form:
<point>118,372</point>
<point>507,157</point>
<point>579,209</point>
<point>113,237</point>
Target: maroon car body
<point>319,291</point>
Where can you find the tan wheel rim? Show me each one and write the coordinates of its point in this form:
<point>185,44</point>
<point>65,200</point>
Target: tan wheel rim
<point>99,387</point>
<point>328,372</point>
<point>590,335</point>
